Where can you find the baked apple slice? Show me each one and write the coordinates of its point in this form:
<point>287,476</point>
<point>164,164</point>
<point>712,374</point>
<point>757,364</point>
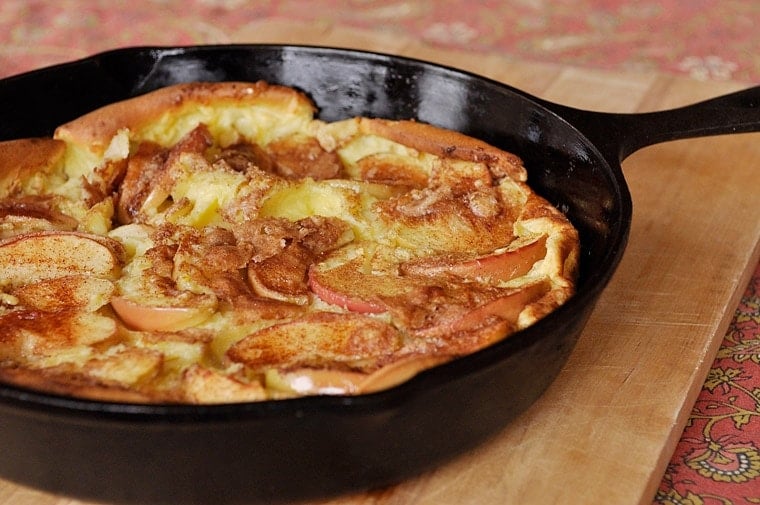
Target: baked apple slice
<point>314,381</point>
<point>338,381</point>
<point>282,276</point>
<point>159,288</point>
<point>362,303</point>
<point>360,278</point>
<point>499,309</point>
<point>501,266</point>
<point>34,257</point>
<point>448,311</point>
<point>82,292</point>
<point>367,282</point>
<point>49,338</point>
<point>144,315</point>
<point>324,340</point>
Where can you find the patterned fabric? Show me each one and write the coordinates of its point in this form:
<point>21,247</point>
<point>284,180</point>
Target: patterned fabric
<point>718,458</point>
<point>706,39</point>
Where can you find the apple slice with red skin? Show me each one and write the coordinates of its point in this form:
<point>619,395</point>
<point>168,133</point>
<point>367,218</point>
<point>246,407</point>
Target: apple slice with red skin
<point>358,281</point>
<point>493,268</point>
<point>261,288</point>
<point>352,302</point>
<point>348,287</point>
<point>504,308</point>
<point>282,276</point>
<point>146,317</point>
<point>461,315</point>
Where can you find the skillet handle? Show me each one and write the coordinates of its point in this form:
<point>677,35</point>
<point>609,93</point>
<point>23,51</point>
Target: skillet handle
<point>620,135</point>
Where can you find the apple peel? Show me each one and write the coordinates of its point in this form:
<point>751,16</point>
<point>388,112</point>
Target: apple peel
<point>498,267</point>
<point>260,288</point>
<point>506,308</point>
<point>342,299</point>
<point>143,317</point>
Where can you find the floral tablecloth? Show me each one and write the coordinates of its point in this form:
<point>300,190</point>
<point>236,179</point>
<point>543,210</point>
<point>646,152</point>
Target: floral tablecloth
<point>718,458</point>
<point>706,39</point>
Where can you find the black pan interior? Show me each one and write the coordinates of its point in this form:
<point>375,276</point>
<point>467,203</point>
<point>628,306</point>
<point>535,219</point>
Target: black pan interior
<point>305,448</point>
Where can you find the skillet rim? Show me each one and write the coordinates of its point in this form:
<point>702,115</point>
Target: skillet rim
<point>29,400</point>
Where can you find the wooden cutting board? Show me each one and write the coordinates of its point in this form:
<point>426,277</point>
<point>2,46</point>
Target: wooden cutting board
<point>605,430</point>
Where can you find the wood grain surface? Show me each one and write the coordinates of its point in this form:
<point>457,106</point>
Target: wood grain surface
<point>606,428</point>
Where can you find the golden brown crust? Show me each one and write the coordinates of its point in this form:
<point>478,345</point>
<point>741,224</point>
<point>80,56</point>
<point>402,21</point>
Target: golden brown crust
<point>446,144</point>
<point>72,384</point>
<point>20,159</point>
<point>96,129</point>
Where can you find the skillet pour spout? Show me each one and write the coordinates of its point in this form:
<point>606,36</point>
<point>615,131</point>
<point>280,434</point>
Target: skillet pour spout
<point>317,447</point>
<point>619,135</point>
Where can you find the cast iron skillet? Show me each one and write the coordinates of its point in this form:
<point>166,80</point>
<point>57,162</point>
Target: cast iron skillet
<point>321,446</point>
